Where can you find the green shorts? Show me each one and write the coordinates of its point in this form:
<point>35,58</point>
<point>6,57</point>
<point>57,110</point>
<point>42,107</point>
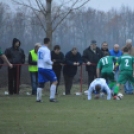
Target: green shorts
<point>108,76</point>
<point>125,76</point>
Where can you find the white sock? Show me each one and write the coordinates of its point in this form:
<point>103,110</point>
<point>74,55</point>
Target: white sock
<point>52,91</point>
<point>39,94</point>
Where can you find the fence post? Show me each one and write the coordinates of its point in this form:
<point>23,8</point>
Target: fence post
<point>17,81</point>
<point>81,78</point>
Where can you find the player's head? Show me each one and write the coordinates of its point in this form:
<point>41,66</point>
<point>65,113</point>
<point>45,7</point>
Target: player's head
<point>57,49</point>
<point>125,49</point>
<point>105,54</point>
<point>104,46</point>
<point>98,88</point>
<point>46,41</point>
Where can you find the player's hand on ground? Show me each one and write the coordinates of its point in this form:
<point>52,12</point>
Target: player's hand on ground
<point>88,63</point>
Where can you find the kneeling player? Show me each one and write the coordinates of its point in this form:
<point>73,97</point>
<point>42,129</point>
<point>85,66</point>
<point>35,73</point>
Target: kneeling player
<point>97,86</point>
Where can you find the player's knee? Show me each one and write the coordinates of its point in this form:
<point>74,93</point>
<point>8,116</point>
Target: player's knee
<point>41,85</point>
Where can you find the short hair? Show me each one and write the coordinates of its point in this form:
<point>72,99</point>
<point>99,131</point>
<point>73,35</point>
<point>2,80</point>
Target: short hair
<point>74,48</point>
<point>46,40</point>
<point>125,49</point>
<point>37,45</point>
<point>128,41</point>
<point>98,88</point>
<point>56,47</point>
<point>104,43</point>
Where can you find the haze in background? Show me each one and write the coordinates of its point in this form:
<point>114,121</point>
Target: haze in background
<point>103,5</point>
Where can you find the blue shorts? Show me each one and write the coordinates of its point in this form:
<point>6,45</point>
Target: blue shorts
<point>45,75</point>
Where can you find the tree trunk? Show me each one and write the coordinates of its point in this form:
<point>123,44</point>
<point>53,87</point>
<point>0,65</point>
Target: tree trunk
<point>48,20</point>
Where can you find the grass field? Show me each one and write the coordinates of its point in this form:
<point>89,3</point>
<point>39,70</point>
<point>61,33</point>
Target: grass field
<point>72,115</point>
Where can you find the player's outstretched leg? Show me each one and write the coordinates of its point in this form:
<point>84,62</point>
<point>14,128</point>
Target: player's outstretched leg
<point>53,92</point>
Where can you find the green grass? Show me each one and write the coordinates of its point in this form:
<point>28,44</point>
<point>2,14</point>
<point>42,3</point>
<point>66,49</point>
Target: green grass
<point>72,115</point>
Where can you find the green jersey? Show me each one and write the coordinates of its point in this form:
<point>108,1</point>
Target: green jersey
<point>126,62</point>
<point>1,53</point>
<point>106,64</point>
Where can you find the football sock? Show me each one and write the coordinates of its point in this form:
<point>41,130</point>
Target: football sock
<point>39,93</point>
<point>111,85</point>
<point>52,91</point>
<point>116,90</point>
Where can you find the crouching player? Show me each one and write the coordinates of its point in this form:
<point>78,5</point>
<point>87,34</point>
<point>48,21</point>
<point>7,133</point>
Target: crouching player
<point>97,86</point>
<point>126,64</point>
<point>45,72</point>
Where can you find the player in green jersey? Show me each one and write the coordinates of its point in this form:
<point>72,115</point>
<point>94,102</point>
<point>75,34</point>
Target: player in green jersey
<point>105,69</point>
<point>126,65</point>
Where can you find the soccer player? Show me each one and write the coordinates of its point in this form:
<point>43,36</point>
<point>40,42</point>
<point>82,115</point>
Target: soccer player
<point>105,69</point>
<point>126,65</point>
<point>45,72</point>
<point>99,85</point>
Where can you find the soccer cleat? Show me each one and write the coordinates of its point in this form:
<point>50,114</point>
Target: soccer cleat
<point>115,97</point>
<point>39,101</point>
<point>53,100</point>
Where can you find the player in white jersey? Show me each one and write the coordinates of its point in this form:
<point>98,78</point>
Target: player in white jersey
<point>97,86</point>
<point>45,72</point>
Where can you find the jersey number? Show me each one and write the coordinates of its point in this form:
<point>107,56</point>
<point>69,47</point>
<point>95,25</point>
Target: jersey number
<point>126,62</point>
<point>104,61</point>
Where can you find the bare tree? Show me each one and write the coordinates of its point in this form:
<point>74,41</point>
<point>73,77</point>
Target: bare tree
<point>53,18</point>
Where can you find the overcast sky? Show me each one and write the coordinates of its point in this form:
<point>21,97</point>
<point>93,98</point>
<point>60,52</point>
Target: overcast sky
<point>104,5</point>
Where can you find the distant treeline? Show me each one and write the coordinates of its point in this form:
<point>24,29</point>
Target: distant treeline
<point>78,29</point>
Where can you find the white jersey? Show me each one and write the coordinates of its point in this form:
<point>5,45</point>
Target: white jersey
<point>44,58</point>
<point>104,86</point>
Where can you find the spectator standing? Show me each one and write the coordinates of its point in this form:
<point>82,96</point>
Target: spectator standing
<point>73,59</point>
<point>58,58</point>
<point>91,56</point>
<point>33,69</point>
<point>104,48</point>
<point>130,47</point>
<point>17,57</point>
<point>116,52</point>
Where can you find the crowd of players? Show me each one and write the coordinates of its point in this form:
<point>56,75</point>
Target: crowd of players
<point>111,68</point>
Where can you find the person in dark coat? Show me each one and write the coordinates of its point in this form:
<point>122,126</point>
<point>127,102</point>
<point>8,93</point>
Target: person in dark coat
<point>73,59</point>
<point>90,57</point>
<point>16,56</point>
<point>104,48</point>
<point>58,58</point>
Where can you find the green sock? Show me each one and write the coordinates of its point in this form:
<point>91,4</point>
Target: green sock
<point>116,90</point>
<point>111,85</point>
